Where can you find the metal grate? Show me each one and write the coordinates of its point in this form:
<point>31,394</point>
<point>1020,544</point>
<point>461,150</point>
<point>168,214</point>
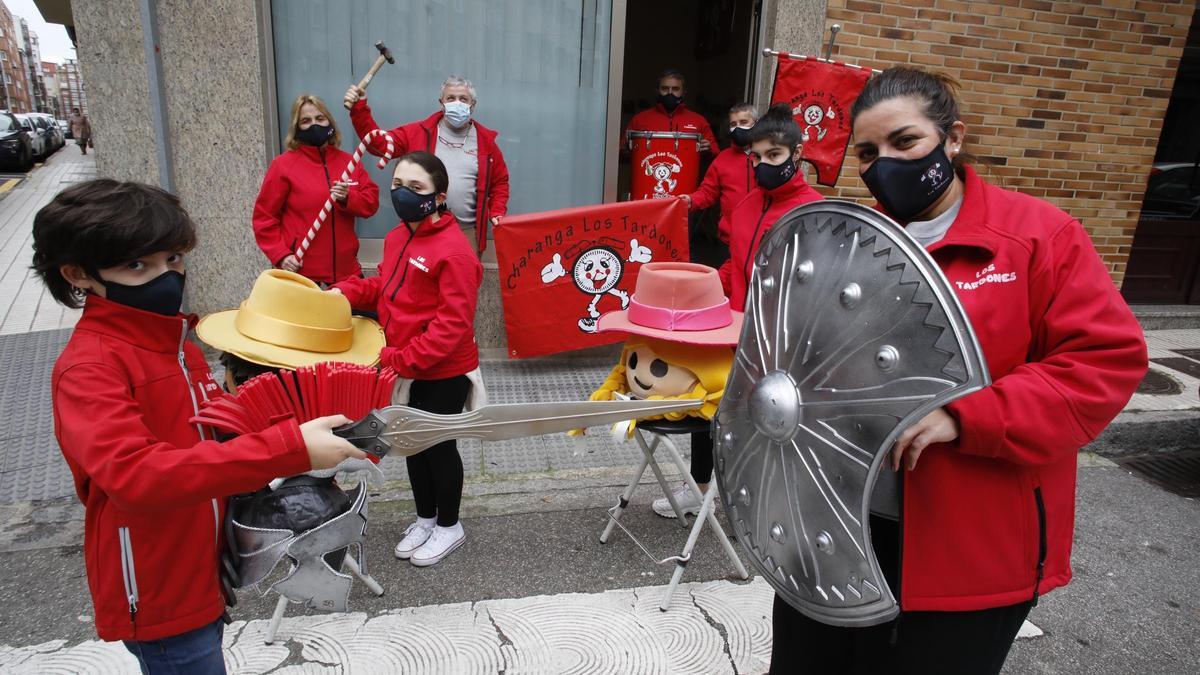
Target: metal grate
<point>1177,472</point>
<point>1159,384</point>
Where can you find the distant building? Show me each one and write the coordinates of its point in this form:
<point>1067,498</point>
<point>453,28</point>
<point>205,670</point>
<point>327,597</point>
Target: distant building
<point>14,87</point>
<point>35,82</point>
<point>71,92</point>
<point>50,78</point>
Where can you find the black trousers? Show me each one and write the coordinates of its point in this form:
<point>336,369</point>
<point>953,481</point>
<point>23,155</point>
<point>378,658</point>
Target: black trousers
<point>437,473</point>
<point>955,643</point>
<point>702,457</point>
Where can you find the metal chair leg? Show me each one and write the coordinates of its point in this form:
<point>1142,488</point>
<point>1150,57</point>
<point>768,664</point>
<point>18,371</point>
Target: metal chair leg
<point>648,450</point>
<point>276,619</point>
<point>685,557</point>
<point>367,579</point>
<point>623,501</point>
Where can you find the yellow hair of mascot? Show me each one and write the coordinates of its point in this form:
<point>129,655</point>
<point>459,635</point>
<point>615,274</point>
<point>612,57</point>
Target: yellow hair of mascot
<point>654,369</point>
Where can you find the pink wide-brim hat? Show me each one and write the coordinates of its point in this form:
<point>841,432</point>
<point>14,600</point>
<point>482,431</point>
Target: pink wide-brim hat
<point>677,302</point>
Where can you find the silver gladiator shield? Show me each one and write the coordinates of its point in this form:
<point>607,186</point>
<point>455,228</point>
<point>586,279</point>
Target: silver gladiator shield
<point>852,333</point>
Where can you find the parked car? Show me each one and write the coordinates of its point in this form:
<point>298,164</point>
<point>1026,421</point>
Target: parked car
<point>53,133</point>
<point>37,135</point>
<point>65,127</point>
<point>16,151</point>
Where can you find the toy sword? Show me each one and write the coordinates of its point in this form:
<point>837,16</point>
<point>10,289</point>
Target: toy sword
<point>408,431</point>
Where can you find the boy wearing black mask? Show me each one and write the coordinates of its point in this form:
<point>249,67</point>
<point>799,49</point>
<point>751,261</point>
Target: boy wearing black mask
<point>153,484</point>
<point>730,177</point>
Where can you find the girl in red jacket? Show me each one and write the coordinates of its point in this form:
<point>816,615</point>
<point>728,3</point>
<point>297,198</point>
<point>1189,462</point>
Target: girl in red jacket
<point>425,293</point>
<point>779,188</point>
<point>989,481</point>
<point>295,189</point>
<point>152,484</point>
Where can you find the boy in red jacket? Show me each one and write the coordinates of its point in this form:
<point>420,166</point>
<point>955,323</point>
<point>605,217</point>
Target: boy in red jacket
<point>123,389</point>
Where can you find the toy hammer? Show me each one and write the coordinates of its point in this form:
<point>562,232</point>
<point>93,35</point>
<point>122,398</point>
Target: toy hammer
<point>385,54</point>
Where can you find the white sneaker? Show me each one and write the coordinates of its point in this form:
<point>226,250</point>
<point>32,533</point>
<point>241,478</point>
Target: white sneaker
<point>687,500</point>
<point>415,535</point>
<point>440,544</point>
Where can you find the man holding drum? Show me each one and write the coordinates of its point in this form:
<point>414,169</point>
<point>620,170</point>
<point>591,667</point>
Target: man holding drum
<point>670,114</point>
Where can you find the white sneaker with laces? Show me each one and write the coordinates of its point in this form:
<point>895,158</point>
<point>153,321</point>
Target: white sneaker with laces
<point>687,500</point>
<point>414,535</point>
<point>440,544</point>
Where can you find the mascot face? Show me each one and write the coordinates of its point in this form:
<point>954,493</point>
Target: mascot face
<point>648,374</point>
<point>662,172</point>
<point>813,114</point>
<point>598,270</point>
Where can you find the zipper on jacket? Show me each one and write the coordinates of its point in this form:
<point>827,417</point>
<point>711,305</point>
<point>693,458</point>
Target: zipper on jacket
<point>128,573</point>
<point>187,377</point>
<point>754,239</point>
<point>403,263</point>
<point>1041,563</point>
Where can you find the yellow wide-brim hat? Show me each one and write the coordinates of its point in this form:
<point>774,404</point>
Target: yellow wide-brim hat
<point>289,322</point>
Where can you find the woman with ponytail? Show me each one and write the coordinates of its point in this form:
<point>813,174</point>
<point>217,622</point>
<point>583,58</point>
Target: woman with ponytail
<point>779,188</point>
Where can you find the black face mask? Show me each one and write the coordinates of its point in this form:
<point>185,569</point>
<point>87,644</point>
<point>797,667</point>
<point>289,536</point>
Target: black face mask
<point>670,101</point>
<point>740,136</point>
<point>906,188</point>
<point>413,207</point>
<point>315,134</point>
<point>771,176</point>
<point>162,294</point>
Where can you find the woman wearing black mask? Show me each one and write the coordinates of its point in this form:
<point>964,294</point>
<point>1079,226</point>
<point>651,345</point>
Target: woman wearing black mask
<point>987,518</point>
<point>779,188</point>
<point>295,189</point>
<point>425,293</point>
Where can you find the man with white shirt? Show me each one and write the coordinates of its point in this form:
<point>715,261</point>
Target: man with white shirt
<point>478,195</point>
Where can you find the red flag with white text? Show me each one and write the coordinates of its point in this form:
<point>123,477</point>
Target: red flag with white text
<point>820,94</point>
<point>560,270</point>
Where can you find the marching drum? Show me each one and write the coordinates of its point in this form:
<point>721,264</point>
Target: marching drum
<point>665,164</point>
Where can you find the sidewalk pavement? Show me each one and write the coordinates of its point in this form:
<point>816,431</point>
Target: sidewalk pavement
<point>25,304</point>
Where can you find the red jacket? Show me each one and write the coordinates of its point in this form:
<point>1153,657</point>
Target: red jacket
<point>491,184</point>
<point>682,120</point>
<point>292,194</point>
<point>729,178</point>
<point>152,486</point>
<point>749,223</point>
<point>425,293</point>
<point>988,519</point>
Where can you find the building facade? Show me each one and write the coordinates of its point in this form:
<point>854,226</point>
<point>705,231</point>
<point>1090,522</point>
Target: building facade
<point>71,92</point>
<point>32,56</point>
<point>50,78</point>
<point>14,84</point>
<point>1063,100</point>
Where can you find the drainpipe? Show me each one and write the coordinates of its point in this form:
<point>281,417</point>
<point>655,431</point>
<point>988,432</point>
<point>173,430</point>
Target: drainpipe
<point>158,99</point>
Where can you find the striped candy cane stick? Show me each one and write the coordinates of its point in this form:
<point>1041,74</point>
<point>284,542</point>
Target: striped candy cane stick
<point>354,161</point>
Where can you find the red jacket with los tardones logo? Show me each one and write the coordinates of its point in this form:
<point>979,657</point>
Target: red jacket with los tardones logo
<point>426,292</point>
<point>152,485</point>
<point>988,519</point>
<point>682,120</point>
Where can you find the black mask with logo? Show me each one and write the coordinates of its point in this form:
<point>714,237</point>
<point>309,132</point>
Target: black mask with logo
<point>162,294</point>
<point>413,207</point>
<point>315,135</point>
<point>740,136</point>
<point>771,176</point>
<point>670,101</point>
<point>907,188</point>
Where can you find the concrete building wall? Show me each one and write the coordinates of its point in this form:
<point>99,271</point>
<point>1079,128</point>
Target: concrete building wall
<point>214,123</point>
<point>1064,100</point>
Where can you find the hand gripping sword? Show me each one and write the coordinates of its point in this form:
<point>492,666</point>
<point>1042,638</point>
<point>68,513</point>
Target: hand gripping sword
<point>408,431</point>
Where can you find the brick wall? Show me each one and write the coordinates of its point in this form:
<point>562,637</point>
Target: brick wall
<point>1066,99</point>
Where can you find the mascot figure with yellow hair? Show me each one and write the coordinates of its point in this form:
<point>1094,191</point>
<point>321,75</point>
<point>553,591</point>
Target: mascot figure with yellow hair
<point>682,332</point>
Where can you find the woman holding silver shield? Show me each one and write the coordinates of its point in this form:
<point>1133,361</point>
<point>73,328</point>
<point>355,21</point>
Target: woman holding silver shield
<point>988,480</point>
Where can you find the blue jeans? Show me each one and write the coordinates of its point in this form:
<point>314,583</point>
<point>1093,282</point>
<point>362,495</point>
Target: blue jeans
<point>196,652</point>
